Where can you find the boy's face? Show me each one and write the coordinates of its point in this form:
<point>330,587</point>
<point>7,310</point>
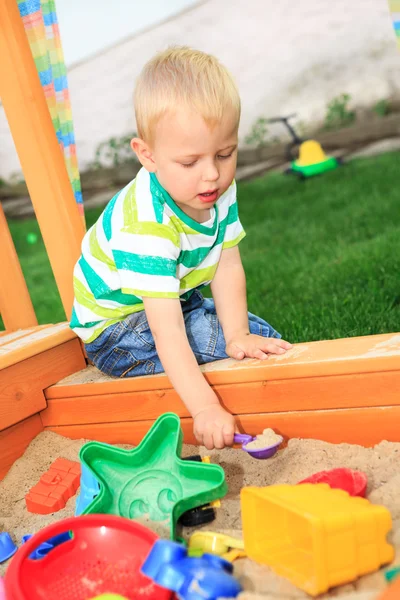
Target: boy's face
<point>193,162</point>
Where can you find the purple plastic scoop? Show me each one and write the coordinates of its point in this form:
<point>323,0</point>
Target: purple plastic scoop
<point>260,453</point>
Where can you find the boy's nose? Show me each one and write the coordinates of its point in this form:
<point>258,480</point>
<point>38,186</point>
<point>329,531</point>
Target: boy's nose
<point>211,173</point>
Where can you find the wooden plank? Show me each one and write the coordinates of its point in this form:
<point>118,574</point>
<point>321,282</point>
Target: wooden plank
<point>127,432</point>
<point>341,391</point>
<point>6,337</point>
<point>367,354</point>
<point>15,440</point>
<point>22,384</point>
<point>364,426</point>
<point>38,341</point>
<point>40,155</point>
<point>16,307</point>
<point>109,408</point>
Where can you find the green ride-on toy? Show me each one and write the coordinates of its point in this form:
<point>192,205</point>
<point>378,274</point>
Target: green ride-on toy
<point>307,157</point>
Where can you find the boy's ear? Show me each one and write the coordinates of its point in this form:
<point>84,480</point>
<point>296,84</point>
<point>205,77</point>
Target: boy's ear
<point>144,154</point>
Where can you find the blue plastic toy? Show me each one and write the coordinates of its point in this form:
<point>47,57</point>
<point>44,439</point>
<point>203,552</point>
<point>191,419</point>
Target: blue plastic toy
<point>206,578</point>
<point>45,548</point>
<point>90,488</point>
<point>7,546</point>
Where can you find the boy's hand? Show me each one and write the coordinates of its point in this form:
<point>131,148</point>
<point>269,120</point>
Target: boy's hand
<point>214,427</point>
<point>255,346</point>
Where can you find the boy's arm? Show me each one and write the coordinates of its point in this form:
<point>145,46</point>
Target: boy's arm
<point>229,292</point>
<point>213,426</point>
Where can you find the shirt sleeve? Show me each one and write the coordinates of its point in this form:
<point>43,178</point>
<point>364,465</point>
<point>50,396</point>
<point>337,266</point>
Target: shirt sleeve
<point>234,231</point>
<point>146,257</point>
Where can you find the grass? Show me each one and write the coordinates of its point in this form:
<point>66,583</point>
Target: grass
<point>322,257</point>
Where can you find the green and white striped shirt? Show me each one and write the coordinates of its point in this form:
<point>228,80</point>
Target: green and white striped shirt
<point>144,245</point>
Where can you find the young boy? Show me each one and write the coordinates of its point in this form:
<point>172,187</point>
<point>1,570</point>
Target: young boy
<point>172,230</point>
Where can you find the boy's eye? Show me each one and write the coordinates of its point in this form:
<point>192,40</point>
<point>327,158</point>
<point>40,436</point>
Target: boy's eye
<point>220,156</point>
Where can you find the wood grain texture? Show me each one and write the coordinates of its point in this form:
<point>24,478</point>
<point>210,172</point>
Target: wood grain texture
<point>22,384</point>
<point>14,441</point>
<point>36,341</point>
<point>344,391</point>
<point>349,356</point>
<point>7,337</point>
<point>364,426</point>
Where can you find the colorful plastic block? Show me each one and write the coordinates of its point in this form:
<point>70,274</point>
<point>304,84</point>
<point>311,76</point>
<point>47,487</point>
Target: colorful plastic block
<point>55,487</point>
<point>90,488</point>
<point>7,546</point>
<point>353,482</point>
<point>315,536</point>
<point>151,481</point>
<point>201,542</point>
<point>206,578</point>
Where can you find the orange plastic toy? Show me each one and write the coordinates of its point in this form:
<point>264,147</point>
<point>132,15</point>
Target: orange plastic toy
<point>392,592</point>
<point>55,487</point>
<point>315,536</point>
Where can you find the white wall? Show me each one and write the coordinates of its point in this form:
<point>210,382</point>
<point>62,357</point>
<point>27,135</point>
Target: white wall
<point>286,56</point>
<point>89,26</point>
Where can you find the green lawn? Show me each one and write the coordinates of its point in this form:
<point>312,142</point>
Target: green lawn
<point>322,257</point>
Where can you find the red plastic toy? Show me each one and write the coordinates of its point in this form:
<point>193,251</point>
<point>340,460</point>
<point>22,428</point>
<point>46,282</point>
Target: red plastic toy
<point>55,487</point>
<point>104,555</point>
<point>353,482</point>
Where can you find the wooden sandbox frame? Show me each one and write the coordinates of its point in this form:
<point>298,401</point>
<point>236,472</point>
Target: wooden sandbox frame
<point>338,391</point>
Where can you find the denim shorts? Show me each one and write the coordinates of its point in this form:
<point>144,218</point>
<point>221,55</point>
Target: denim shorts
<point>127,348</point>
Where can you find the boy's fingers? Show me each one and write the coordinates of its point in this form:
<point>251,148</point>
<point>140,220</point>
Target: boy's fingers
<point>283,344</point>
<point>260,354</point>
<point>272,348</point>
<point>236,352</point>
<point>199,438</point>
<point>276,346</point>
<point>208,441</point>
<point>228,437</point>
<point>219,442</point>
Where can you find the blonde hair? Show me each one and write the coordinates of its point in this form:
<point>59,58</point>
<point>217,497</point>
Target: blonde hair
<point>181,76</point>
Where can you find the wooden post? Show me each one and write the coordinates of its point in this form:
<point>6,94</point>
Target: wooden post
<point>41,157</point>
<point>15,303</point>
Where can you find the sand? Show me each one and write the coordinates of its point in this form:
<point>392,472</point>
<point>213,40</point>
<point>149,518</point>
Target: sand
<point>266,439</point>
<point>298,460</point>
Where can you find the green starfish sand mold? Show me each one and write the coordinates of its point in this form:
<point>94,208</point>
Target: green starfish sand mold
<point>151,481</point>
